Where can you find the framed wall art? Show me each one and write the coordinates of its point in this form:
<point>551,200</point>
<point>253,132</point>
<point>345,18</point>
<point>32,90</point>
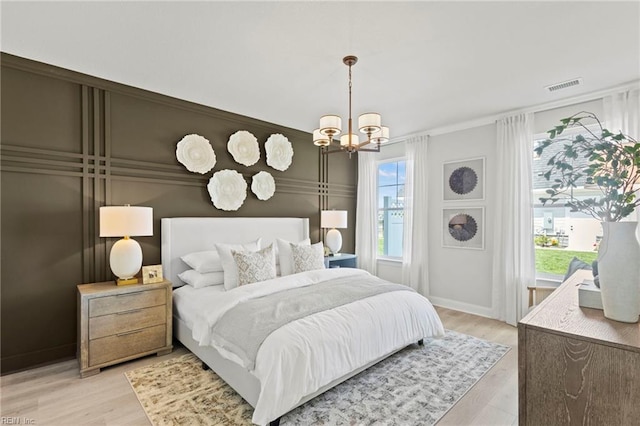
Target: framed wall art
<point>463,227</point>
<point>463,180</point>
<point>152,274</point>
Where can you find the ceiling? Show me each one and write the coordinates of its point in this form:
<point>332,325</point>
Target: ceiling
<point>422,65</point>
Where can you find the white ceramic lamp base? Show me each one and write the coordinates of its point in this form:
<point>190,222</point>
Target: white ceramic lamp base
<point>125,260</point>
<point>334,241</point>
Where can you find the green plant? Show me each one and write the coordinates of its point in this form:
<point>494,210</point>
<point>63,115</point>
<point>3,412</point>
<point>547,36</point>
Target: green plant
<point>597,157</point>
<point>541,240</point>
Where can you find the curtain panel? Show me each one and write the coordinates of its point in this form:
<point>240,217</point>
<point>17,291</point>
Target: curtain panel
<point>415,254</point>
<point>514,255</point>
<point>367,213</point>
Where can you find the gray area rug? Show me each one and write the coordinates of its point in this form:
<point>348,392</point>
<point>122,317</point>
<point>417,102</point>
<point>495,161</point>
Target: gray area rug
<point>416,386</point>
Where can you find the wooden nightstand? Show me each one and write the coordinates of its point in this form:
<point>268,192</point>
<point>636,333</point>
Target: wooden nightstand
<point>119,323</point>
<point>343,260</point>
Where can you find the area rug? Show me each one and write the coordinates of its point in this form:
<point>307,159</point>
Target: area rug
<point>417,385</point>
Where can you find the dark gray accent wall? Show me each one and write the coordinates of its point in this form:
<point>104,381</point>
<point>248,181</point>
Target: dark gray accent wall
<point>71,143</point>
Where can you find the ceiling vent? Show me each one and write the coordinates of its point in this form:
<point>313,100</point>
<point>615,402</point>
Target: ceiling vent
<point>564,84</point>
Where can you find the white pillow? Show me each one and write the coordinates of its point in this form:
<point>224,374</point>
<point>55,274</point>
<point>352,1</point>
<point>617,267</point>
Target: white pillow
<point>229,265</point>
<point>284,254</point>
<point>255,266</point>
<point>204,261</point>
<point>198,280</point>
<point>307,258</point>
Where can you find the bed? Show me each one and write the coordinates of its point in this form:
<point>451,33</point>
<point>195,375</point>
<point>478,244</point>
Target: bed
<point>306,356</point>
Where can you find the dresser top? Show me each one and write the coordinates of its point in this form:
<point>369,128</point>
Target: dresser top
<point>110,287</point>
<point>560,314</point>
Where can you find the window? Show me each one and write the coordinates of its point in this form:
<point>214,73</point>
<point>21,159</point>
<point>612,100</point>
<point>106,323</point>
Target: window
<point>391,177</point>
<point>559,234</point>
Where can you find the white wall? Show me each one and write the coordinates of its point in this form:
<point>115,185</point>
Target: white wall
<point>461,278</point>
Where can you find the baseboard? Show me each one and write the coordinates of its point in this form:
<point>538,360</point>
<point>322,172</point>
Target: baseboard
<point>461,306</point>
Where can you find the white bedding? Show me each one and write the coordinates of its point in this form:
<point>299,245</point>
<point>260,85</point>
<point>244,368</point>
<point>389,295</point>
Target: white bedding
<point>304,355</point>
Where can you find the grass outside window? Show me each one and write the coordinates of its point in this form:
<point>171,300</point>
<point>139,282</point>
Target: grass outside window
<point>556,261</point>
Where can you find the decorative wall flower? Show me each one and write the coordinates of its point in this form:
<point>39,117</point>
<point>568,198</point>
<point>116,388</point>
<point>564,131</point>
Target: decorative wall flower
<point>279,152</point>
<point>196,154</point>
<point>228,190</point>
<point>243,146</point>
<point>263,185</point>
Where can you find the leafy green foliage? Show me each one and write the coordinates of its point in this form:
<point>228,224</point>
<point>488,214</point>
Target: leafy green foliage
<point>613,166</point>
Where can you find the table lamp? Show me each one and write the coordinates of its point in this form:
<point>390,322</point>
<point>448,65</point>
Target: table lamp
<point>333,219</point>
<point>125,258</point>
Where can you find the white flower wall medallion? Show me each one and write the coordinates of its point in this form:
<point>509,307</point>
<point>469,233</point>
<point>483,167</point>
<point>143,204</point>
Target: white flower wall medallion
<point>244,148</point>
<point>228,190</point>
<point>263,185</point>
<point>196,154</point>
<point>279,152</point>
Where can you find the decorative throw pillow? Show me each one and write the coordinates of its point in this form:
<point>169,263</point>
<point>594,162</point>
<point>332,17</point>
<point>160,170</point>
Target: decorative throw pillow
<point>285,256</point>
<point>203,261</point>
<point>255,266</point>
<point>575,265</point>
<point>229,265</point>
<point>197,280</point>
<point>307,258</point>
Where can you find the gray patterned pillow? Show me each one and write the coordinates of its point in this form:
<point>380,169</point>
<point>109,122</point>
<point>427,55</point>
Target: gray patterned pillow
<point>255,266</point>
<point>307,258</point>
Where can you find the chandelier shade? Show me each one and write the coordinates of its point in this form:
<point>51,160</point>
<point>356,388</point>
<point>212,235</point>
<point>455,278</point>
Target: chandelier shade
<point>369,123</point>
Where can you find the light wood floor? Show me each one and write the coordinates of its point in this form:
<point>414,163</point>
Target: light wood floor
<point>55,394</point>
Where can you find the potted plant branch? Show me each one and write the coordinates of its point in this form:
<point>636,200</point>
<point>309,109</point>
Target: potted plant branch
<point>597,158</point>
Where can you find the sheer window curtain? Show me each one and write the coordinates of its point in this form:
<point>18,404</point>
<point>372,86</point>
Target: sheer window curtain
<point>415,259</point>
<point>622,114</point>
<point>514,256</point>
<point>367,213</point>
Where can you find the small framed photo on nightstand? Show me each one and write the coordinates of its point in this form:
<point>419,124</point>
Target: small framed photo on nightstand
<point>152,274</point>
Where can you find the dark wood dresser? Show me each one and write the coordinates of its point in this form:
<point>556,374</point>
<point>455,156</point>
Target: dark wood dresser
<point>575,366</point>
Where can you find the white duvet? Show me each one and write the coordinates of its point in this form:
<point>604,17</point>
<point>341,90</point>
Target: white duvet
<point>305,355</point>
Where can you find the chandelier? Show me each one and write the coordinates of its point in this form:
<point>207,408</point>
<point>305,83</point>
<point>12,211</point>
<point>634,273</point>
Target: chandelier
<point>368,123</point>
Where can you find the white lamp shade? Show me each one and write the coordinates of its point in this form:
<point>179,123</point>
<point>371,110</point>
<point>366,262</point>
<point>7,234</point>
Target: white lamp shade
<point>333,219</point>
<point>319,139</point>
<point>330,125</point>
<point>344,140</point>
<point>381,136</point>
<point>369,122</point>
<point>126,221</point>
<point>125,259</point>
<point>334,241</point>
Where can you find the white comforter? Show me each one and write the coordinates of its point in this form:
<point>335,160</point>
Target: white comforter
<point>302,356</point>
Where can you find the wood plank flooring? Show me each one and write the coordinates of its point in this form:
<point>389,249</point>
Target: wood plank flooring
<point>55,394</point>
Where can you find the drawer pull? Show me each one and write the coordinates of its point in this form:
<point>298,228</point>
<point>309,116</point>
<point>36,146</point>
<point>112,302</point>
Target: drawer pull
<point>128,312</point>
<point>129,332</point>
<point>135,293</point>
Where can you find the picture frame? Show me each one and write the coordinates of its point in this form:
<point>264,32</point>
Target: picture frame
<point>463,227</point>
<point>463,180</point>
<point>152,274</point>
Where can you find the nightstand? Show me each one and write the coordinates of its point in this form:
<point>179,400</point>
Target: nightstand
<point>343,260</point>
<point>119,323</point>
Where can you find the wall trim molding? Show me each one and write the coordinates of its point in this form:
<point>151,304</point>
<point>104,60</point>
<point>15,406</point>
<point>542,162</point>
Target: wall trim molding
<point>482,311</point>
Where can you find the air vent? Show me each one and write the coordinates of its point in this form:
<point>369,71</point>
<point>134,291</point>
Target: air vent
<point>564,85</point>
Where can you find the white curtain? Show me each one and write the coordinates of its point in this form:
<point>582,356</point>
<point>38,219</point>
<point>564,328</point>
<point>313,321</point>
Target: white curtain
<point>622,114</point>
<point>415,259</point>
<point>367,212</point>
<point>513,256</point>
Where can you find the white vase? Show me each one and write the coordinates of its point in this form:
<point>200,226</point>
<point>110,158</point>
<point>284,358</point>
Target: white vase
<point>619,271</point>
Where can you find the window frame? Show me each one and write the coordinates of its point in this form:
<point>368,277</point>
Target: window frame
<point>383,257</point>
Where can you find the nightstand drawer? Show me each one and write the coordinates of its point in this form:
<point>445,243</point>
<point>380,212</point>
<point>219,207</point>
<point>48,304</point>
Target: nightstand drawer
<point>122,322</point>
<point>126,302</point>
<point>126,344</point>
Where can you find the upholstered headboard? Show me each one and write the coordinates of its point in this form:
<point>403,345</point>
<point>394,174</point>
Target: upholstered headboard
<point>184,235</point>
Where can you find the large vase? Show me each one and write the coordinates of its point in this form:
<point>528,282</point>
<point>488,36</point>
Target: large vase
<point>619,271</point>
